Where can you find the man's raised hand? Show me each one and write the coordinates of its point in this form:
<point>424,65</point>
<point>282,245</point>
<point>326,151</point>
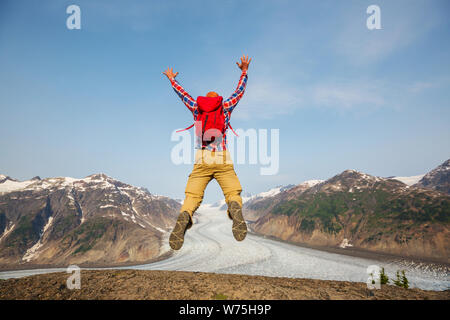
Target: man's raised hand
<point>169,73</point>
<point>244,63</point>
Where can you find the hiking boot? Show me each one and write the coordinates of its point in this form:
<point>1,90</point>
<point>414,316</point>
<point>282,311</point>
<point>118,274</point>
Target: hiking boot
<point>176,238</point>
<point>239,226</point>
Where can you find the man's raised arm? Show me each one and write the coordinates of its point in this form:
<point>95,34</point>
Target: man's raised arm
<point>232,101</point>
<point>184,96</point>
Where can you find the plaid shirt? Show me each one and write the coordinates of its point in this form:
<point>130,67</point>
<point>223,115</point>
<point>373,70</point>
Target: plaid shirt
<point>228,106</point>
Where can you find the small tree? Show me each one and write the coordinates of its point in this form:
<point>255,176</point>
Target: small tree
<point>384,279</point>
<point>401,281</point>
<point>397,280</point>
<point>405,282</point>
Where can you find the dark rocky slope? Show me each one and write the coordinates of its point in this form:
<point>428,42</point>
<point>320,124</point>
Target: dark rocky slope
<point>378,214</point>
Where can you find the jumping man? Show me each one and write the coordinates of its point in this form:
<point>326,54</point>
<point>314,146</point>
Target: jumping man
<point>212,159</point>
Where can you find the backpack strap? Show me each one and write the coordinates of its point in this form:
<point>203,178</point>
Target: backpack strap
<point>186,128</point>
<point>229,125</point>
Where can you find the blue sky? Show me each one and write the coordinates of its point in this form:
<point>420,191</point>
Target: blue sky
<point>77,102</point>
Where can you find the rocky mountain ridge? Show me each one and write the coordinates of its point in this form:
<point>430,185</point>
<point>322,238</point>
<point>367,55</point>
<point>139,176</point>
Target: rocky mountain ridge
<point>95,220</point>
<point>374,213</point>
<point>437,179</point>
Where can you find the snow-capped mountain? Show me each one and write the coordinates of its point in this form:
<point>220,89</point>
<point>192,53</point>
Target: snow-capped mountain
<point>437,179</point>
<point>246,196</point>
<point>96,220</point>
<point>374,213</point>
<point>222,204</point>
<point>267,195</point>
<point>8,184</point>
<point>270,193</point>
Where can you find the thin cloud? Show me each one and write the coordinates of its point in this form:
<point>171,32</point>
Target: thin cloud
<point>402,23</point>
<point>346,96</point>
<point>419,87</point>
<point>267,98</point>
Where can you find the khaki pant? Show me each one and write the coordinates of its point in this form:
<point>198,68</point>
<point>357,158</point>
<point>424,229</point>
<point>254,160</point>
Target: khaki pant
<point>211,165</point>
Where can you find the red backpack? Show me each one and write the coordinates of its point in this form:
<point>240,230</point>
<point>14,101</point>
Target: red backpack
<point>210,119</point>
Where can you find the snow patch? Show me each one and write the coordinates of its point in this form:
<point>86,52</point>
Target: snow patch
<point>270,193</point>
<point>311,183</point>
<point>32,253</point>
<point>49,223</point>
<point>10,185</point>
<point>409,180</point>
<point>7,231</point>
<point>108,206</point>
<point>157,228</point>
<point>132,207</point>
<point>345,243</point>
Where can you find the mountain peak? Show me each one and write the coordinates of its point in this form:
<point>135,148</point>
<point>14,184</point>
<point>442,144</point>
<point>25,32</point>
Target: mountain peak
<point>349,173</point>
<point>350,180</point>
<point>4,178</point>
<point>311,183</point>
<point>99,176</point>
<point>97,181</point>
<point>437,179</point>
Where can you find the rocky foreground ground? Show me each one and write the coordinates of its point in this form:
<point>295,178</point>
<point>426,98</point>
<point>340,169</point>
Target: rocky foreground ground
<point>161,285</point>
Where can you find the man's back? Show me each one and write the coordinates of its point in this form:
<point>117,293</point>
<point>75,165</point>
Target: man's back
<point>212,119</point>
<point>228,105</point>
